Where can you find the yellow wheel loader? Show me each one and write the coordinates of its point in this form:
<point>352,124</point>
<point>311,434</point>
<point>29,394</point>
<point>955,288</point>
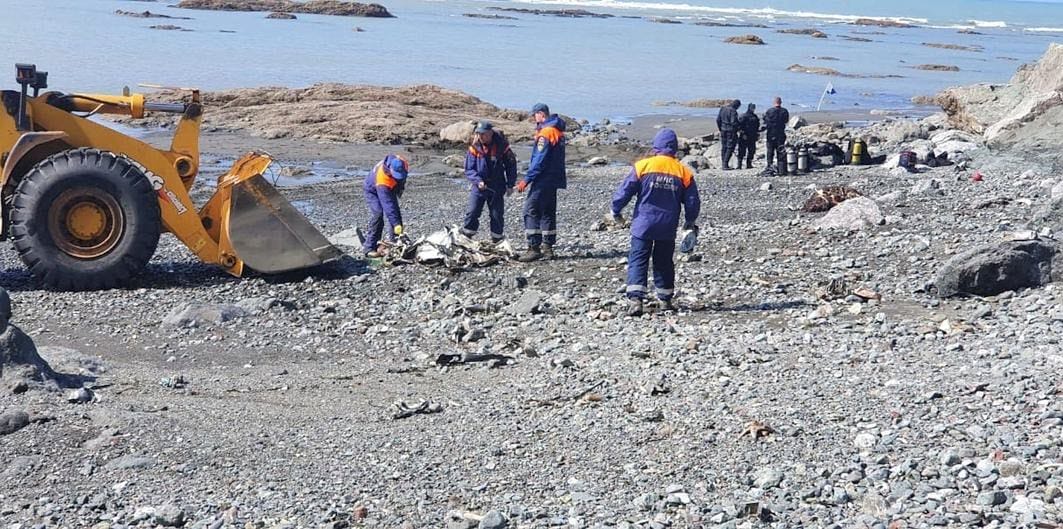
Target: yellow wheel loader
<point>85,204</point>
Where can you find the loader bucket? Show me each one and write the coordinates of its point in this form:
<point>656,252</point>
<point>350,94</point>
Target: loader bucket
<point>268,234</point>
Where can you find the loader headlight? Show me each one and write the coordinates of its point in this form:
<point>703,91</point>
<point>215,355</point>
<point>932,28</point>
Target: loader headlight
<point>27,73</point>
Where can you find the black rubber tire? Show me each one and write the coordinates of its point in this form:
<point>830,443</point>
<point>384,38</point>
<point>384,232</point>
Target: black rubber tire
<point>102,170</point>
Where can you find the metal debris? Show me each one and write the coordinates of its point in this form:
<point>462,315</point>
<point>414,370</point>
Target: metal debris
<point>447,247</point>
<point>424,407</point>
<point>755,430</point>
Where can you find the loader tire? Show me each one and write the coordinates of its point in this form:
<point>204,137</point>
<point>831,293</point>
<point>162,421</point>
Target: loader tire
<point>85,219</point>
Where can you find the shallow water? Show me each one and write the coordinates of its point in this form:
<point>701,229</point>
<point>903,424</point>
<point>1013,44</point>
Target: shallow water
<point>589,68</point>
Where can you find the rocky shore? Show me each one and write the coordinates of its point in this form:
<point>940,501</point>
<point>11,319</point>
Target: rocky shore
<point>890,362</point>
<point>317,7</point>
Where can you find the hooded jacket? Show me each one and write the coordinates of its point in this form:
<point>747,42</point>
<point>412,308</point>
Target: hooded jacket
<point>493,164</point>
<point>547,166</point>
<point>387,180</point>
<point>664,188</point>
<point>749,124</point>
<point>727,119</point>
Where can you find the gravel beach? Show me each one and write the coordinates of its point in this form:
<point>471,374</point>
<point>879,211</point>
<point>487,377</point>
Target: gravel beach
<point>893,362</point>
<point>758,404</point>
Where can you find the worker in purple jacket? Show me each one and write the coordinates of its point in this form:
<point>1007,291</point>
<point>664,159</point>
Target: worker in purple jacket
<point>383,187</point>
<point>491,168</point>
<point>663,186</point>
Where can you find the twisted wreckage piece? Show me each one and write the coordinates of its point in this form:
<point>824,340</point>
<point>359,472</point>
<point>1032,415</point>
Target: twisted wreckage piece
<point>447,247</point>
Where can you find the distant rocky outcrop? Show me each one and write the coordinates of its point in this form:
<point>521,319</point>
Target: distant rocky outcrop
<point>1026,114</point>
<point>346,113</point>
<point>822,70</point>
<point>565,13</point>
<point>488,16</point>
<point>715,24</point>
<point>959,47</point>
<point>314,7</point>
<point>937,68</point>
<point>280,16</point>
<point>147,14</point>
<point>694,103</point>
<point>882,23</point>
<point>811,32</point>
<point>745,39</point>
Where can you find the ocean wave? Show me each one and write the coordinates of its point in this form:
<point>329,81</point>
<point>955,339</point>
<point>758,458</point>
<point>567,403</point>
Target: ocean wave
<point>766,12</point>
<point>1044,30</point>
<point>989,24</point>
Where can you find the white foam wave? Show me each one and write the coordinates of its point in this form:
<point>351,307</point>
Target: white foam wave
<point>766,12</point>
<point>1045,30</point>
<point>989,24</point>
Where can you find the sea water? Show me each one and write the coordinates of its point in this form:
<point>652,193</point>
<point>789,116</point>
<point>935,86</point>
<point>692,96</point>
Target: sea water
<point>585,67</point>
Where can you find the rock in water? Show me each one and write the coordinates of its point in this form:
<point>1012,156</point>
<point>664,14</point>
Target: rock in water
<point>745,39</point>
<point>853,214</point>
<point>193,314</point>
<point>280,16</point>
<point>318,7</point>
<point>995,268</point>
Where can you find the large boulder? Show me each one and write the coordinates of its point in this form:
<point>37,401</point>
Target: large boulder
<point>460,132</point>
<point>195,314</point>
<point>1027,113</point>
<point>991,269</point>
<point>903,130</point>
<point>852,215</point>
<point>21,366</point>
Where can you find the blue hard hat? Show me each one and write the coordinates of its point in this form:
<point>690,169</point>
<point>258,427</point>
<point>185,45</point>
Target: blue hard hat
<point>541,107</point>
<point>398,168</point>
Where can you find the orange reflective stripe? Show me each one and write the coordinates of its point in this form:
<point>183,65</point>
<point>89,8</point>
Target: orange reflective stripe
<point>383,178</point>
<point>551,134</point>
<point>664,165</point>
<point>475,152</point>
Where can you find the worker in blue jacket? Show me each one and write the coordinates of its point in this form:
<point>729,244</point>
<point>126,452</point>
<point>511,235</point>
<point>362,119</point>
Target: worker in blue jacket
<point>546,174</point>
<point>491,168</point>
<point>383,187</point>
<point>662,187</point>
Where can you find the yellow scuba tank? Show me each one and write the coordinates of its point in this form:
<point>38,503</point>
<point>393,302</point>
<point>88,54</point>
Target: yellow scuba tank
<point>859,147</point>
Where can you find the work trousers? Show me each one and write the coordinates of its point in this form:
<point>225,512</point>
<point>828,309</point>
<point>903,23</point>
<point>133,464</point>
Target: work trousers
<point>540,215</point>
<point>728,141</point>
<point>375,228</point>
<point>494,198</point>
<point>747,148</point>
<point>772,148</point>
<point>643,251</point>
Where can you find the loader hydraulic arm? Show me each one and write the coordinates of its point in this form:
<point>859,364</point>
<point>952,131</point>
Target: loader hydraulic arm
<point>133,105</point>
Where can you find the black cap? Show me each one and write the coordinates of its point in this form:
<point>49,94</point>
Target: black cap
<point>540,107</point>
<point>484,126</point>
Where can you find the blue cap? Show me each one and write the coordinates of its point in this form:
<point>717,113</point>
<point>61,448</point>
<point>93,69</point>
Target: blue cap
<point>484,126</point>
<point>398,168</point>
<point>541,107</point>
